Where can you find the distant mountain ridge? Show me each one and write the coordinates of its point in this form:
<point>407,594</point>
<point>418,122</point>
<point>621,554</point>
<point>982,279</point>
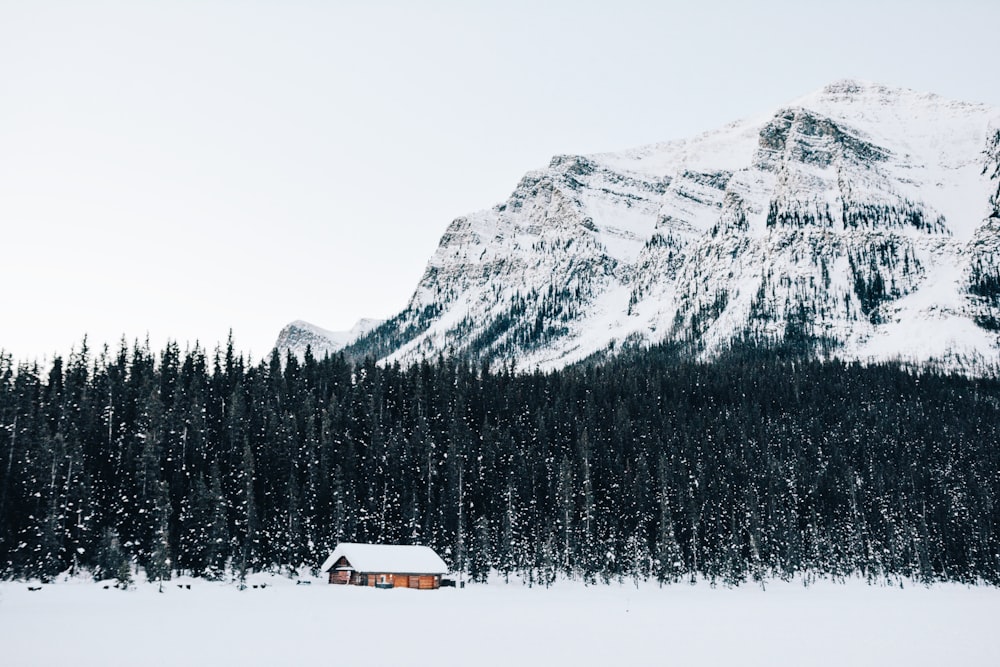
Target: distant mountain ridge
<point>299,335</point>
<point>861,221</point>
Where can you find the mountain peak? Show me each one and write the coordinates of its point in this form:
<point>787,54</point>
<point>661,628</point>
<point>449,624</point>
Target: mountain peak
<point>856,87</point>
<point>299,335</point>
<point>842,222</point>
<point>857,93</point>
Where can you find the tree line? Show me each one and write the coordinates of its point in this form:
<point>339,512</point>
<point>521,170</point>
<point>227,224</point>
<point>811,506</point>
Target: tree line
<point>757,465</point>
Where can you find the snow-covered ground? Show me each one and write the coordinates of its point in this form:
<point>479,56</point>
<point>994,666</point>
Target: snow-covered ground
<point>81,623</point>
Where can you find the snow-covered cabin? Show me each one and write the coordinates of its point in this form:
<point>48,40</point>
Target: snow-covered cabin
<point>388,565</point>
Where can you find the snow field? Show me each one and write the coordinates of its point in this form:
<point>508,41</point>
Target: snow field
<point>81,623</point>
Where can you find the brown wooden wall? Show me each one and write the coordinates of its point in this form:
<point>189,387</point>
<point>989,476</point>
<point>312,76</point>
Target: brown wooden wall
<point>420,581</point>
<point>340,576</point>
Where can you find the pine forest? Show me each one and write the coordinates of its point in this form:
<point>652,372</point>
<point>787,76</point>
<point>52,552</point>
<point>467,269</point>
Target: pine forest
<point>756,466</point>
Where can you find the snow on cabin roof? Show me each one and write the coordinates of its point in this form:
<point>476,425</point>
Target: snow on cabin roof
<point>395,558</point>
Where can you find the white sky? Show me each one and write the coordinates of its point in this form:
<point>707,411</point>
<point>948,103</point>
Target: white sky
<point>181,168</point>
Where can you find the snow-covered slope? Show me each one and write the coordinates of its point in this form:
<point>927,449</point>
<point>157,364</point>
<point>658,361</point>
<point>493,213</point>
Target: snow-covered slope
<point>300,335</point>
<point>861,220</point>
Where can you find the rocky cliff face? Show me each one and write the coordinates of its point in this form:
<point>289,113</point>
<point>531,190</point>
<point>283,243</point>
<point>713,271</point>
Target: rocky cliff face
<point>299,336</point>
<point>861,221</point>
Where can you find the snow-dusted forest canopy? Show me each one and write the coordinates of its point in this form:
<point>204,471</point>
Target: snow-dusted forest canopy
<point>757,465</point>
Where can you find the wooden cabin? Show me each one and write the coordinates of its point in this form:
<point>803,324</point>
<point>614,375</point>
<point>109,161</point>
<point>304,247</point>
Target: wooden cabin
<point>385,566</point>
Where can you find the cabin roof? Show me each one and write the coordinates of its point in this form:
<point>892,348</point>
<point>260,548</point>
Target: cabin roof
<point>389,558</point>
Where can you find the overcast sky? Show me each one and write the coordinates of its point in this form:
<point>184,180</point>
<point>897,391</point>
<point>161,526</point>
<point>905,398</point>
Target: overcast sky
<point>176,169</point>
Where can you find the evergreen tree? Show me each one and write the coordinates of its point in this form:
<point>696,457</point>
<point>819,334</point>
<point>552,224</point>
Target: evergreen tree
<point>760,464</point>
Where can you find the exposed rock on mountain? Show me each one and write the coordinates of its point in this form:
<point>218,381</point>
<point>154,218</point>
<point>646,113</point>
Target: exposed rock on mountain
<point>300,335</point>
<point>861,221</point>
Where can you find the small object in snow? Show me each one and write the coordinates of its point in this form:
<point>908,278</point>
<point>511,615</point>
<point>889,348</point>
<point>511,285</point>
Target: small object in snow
<point>106,587</point>
<point>188,586</point>
<point>34,588</point>
<point>303,583</point>
<point>255,585</point>
<point>263,585</point>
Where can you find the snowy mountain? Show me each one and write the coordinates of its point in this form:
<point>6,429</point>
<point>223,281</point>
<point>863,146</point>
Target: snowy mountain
<point>860,220</point>
<point>299,335</point>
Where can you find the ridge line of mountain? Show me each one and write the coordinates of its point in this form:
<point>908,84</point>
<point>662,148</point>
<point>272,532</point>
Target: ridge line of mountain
<point>860,221</point>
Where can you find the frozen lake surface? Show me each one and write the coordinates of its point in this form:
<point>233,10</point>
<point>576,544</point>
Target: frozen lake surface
<point>80,623</point>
